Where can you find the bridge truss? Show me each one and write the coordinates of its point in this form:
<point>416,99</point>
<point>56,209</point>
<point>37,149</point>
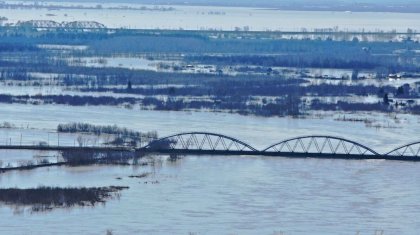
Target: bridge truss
<point>200,141</point>
<point>205,143</point>
<point>320,145</point>
<point>409,150</point>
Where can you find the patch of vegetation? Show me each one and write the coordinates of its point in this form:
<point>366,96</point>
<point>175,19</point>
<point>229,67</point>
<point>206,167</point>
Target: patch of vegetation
<point>143,175</point>
<point>96,129</point>
<point>48,198</point>
<point>86,157</point>
<point>6,125</point>
<point>123,136</point>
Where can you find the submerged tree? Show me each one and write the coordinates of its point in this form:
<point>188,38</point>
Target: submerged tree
<point>129,86</point>
<point>386,99</point>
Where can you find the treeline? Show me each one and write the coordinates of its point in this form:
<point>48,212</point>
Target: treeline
<point>67,100</point>
<point>104,129</point>
<point>191,43</point>
<point>347,106</point>
<point>48,198</point>
<point>279,107</point>
<point>263,87</point>
<point>352,106</point>
<point>98,77</point>
<point>289,103</point>
<point>229,103</point>
<point>320,59</point>
<point>94,157</point>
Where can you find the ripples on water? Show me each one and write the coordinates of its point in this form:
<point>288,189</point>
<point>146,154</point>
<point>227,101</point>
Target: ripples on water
<point>233,195</point>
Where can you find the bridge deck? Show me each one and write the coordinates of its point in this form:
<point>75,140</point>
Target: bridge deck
<point>280,154</point>
<point>213,152</point>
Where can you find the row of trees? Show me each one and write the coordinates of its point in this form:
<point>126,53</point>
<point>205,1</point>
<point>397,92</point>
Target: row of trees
<point>274,87</point>
<point>122,135</point>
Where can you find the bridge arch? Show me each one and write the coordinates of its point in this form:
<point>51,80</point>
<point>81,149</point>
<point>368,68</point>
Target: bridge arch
<point>200,141</point>
<point>408,150</point>
<point>319,144</point>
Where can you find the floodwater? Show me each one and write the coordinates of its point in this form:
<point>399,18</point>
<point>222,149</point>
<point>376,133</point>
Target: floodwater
<point>37,124</point>
<point>223,18</point>
<point>224,195</point>
<point>220,195</point>
<point>231,195</point>
<point>259,132</point>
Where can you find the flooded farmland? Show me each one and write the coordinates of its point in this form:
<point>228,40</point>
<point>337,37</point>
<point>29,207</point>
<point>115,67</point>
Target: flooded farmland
<point>223,18</point>
<point>128,118</point>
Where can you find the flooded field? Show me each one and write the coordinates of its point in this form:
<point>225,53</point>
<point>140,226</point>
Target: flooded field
<point>260,132</point>
<point>219,195</point>
<point>223,18</point>
<point>90,98</point>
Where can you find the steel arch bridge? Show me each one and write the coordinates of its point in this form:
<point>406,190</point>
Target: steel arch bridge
<point>327,146</point>
<point>205,143</point>
<point>200,143</point>
<point>409,150</point>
